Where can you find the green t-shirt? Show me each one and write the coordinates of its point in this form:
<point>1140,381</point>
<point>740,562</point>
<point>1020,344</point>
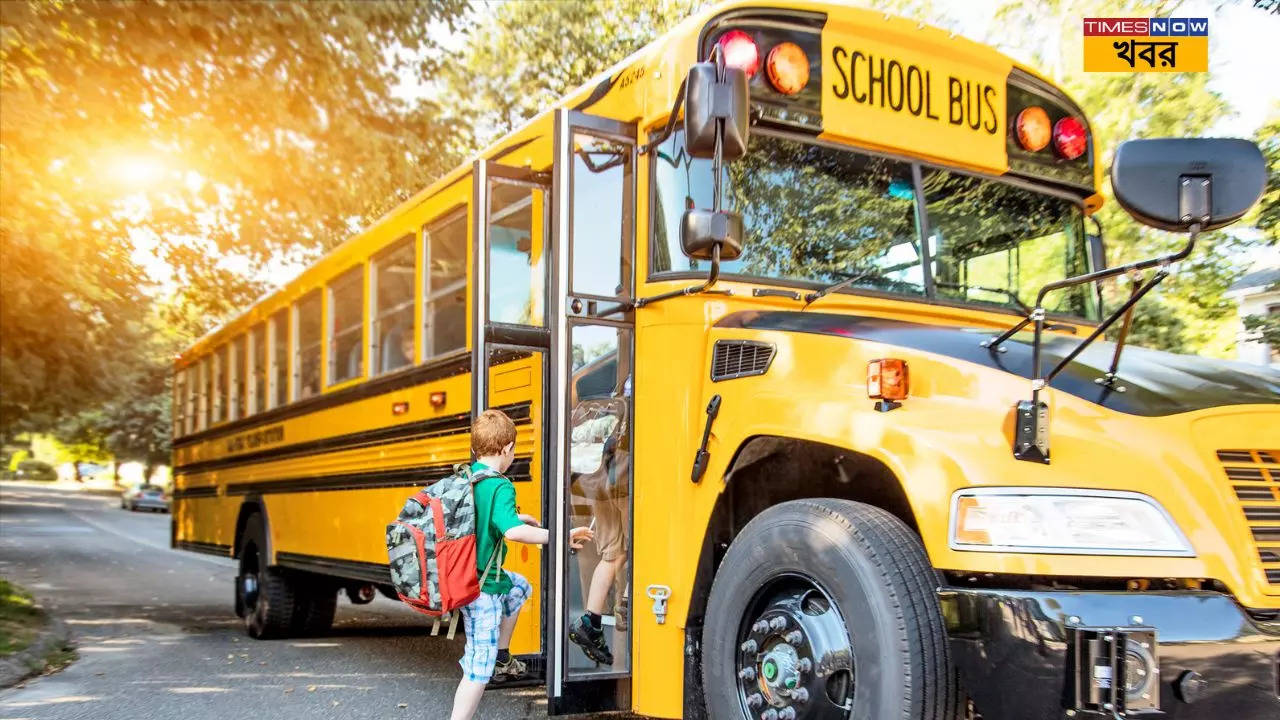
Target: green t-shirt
<point>495,515</point>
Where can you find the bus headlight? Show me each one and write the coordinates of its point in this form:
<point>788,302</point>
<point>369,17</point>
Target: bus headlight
<point>1063,521</point>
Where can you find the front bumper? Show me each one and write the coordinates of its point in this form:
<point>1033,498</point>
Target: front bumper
<point>1017,651</point>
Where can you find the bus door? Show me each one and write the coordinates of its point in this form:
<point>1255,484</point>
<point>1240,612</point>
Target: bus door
<point>511,339</point>
<point>593,230</point>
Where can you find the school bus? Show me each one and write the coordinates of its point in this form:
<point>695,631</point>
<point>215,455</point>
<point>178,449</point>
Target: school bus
<point>789,306</point>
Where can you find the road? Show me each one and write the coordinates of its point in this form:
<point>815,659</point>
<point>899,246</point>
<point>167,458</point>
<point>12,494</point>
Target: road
<point>157,636</point>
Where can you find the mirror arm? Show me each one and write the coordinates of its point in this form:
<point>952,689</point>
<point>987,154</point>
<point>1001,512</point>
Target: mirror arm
<point>1124,310</point>
<point>671,121</point>
<point>1110,378</point>
<point>995,343</point>
<point>712,276</point>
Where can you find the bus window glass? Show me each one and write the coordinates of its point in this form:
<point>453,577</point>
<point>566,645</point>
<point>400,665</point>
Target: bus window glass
<point>306,360</point>
<point>179,401</point>
<point>193,389</point>
<point>393,307</point>
<point>218,394</point>
<point>258,369</point>
<point>206,381</point>
<point>601,215</point>
<point>445,324</point>
<point>279,391</point>
<point>516,288</point>
<point>812,214</point>
<point>997,244</point>
<point>346,326</point>
<point>239,383</point>
<point>600,486</point>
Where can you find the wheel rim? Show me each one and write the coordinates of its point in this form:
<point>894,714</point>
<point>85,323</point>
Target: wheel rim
<point>794,658</point>
<point>248,582</point>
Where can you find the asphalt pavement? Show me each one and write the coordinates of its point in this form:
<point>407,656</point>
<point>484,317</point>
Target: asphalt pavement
<point>158,639</point>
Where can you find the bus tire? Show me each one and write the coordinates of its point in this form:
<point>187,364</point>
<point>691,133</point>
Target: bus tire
<point>316,602</point>
<point>270,605</point>
<point>821,579</point>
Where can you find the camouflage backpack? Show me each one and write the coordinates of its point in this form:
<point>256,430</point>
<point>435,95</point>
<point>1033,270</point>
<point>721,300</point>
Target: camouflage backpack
<point>432,545</point>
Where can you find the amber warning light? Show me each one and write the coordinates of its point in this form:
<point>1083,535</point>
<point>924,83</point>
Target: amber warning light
<point>888,382</point>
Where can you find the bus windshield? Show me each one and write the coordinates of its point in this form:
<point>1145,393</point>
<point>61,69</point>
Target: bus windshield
<point>816,215</point>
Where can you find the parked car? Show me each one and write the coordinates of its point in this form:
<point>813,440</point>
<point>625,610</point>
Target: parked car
<point>35,470</point>
<point>145,496</point>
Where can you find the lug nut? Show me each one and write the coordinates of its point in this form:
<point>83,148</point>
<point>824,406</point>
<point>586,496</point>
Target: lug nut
<point>761,626</point>
<point>754,700</point>
<point>795,637</point>
<point>778,623</point>
<point>788,713</point>
<point>769,714</point>
<point>805,665</point>
<point>747,674</point>
<point>800,695</point>
<point>748,646</point>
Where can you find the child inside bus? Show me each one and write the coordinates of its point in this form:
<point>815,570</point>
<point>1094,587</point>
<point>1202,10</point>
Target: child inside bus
<point>490,619</point>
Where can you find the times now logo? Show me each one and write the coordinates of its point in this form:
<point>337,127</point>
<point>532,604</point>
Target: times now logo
<point>1146,26</point>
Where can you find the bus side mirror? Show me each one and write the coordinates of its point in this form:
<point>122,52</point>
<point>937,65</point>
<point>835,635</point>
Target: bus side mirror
<point>702,230</point>
<point>1172,184</point>
<point>715,107</point>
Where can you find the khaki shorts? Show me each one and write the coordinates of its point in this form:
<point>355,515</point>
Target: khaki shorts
<point>612,517</point>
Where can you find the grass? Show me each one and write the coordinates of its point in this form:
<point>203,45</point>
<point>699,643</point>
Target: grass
<point>20,619</point>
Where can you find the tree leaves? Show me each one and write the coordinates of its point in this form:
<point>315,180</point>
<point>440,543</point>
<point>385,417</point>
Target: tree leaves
<point>188,130</point>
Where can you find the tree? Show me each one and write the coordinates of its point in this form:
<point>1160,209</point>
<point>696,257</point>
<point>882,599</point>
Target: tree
<point>523,56</point>
<point>193,132</point>
<point>1188,312</point>
<point>1268,213</point>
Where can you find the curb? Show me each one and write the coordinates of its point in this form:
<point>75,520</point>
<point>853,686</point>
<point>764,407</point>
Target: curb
<point>30,660</point>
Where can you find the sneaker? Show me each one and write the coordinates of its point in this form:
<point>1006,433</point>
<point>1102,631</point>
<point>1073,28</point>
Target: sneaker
<point>591,641</point>
<point>620,618</point>
<point>512,669</point>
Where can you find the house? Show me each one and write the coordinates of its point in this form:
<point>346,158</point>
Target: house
<point>1257,293</point>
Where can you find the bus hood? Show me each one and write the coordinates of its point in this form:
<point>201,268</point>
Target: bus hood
<point>1155,382</point>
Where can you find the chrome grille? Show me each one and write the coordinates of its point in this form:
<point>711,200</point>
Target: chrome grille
<point>1254,475</point>
<point>740,358</point>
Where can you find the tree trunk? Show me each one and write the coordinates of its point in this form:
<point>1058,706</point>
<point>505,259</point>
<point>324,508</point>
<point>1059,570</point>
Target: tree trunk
<point>79,477</point>
<point>147,470</point>
<point>115,472</point>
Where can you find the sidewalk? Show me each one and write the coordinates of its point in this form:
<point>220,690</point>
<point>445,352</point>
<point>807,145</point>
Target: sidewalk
<point>90,487</point>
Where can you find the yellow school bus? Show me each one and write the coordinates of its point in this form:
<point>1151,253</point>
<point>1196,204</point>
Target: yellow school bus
<point>788,306</point>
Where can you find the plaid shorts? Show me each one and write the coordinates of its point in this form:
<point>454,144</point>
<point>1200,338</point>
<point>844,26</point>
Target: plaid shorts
<point>480,621</point>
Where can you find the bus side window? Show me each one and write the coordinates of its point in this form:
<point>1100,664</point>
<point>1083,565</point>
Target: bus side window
<point>189,398</point>
<point>346,326</point>
<point>306,356</point>
<point>238,384</point>
<point>205,385</point>
<point>179,401</point>
<point>392,334</point>
<point>258,369</point>
<point>218,391</point>
<point>279,361</point>
<point>445,285</point>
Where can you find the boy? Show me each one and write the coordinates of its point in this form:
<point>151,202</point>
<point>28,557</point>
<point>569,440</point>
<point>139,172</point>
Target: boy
<point>490,619</point>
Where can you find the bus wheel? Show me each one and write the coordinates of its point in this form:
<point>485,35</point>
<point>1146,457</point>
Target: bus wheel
<point>826,609</point>
<point>317,602</point>
<point>266,595</point>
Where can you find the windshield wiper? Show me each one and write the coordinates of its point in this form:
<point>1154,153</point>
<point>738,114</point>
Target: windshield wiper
<point>851,279</point>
